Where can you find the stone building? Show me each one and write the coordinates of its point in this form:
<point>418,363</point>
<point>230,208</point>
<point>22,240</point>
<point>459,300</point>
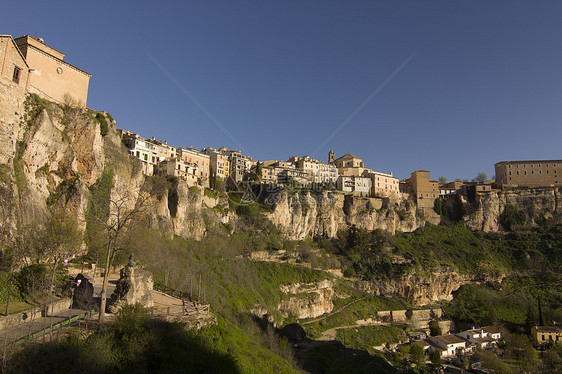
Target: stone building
<point>382,184</point>
<point>318,171</point>
<point>537,173</point>
<point>424,190</point>
<point>219,162</point>
<point>175,167</point>
<point>51,77</point>
<point>201,161</point>
<point>360,186</point>
<point>144,150</point>
<point>240,164</point>
<point>14,69</point>
<point>546,334</point>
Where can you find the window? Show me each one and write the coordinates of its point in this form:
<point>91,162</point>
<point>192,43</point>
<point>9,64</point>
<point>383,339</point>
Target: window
<point>16,77</point>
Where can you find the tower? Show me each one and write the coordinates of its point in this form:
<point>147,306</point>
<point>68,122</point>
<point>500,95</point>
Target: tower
<point>331,157</point>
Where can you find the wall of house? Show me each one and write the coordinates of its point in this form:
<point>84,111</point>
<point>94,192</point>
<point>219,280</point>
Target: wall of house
<point>51,77</point>
<point>10,59</point>
<point>529,173</point>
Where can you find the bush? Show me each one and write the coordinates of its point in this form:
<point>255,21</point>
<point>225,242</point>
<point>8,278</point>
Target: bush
<point>511,217</point>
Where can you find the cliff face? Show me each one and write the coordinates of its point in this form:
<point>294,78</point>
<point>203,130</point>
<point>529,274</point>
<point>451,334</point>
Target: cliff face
<point>425,288</point>
<point>535,203</point>
<point>303,215</point>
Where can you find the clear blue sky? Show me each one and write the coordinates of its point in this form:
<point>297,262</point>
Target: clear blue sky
<point>455,86</point>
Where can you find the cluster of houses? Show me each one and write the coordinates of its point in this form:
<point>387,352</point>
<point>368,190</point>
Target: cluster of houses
<point>462,342</point>
<point>196,167</point>
<point>29,65</point>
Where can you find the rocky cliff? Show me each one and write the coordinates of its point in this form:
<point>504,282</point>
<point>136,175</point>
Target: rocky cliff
<point>536,203</point>
<point>423,288</point>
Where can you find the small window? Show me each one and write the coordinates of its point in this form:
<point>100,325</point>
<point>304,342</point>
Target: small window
<point>16,77</point>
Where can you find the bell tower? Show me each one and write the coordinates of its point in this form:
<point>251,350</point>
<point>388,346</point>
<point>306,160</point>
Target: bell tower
<point>331,157</point>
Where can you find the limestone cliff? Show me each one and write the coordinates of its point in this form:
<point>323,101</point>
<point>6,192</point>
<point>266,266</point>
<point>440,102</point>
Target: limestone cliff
<point>423,288</point>
<point>307,300</point>
<point>535,203</point>
<point>306,214</point>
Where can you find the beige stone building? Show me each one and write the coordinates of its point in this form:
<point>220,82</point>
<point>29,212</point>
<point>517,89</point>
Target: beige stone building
<point>180,169</point>
<point>219,162</point>
<point>164,151</point>
<point>51,77</point>
<point>145,151</point>
<point>240,164</point>
<point>14,69</point>
<point>382,184</point>
<point>424,189</point>
<point>537,173</point>
<point>318,171</point>
<point>360,186</point>
<point>201,161</point>
<point>546,334</point>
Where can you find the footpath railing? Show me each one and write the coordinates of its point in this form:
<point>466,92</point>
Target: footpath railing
<point>53,327</point>
<point>190,306</point>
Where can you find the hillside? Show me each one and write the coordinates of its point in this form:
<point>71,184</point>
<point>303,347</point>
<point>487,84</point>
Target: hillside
<point>284,257</point>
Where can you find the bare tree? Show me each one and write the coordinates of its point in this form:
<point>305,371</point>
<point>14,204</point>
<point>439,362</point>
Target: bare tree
<point>442,180</point>
<point>124,210</point>
<point>59,238</point>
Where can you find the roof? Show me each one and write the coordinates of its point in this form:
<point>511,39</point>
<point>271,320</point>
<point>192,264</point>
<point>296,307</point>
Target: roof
<point>348,155</point>
<point>549,328</point>
<point>491,330</point>
<point>449,339</point>
<point>17,48</point>
<point>526,162</point>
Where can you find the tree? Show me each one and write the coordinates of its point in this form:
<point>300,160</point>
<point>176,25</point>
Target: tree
<point>259,172</point>
<point>511,217</point>
<point>417,355</point>
<point>481,177</point>
<point>59,238</point>
<point>123,212</point>
<point>435,358</point>
<point>434,329</point>
<point>442,179</point>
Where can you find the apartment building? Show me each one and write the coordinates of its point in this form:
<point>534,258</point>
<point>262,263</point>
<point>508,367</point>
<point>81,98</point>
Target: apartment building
<point>175,167</point>
<point>240,164</point>
<point>199,160</point>
<point>145,151</point>
<point>360,186</point>
<point>219,162</point>
<point>318,171</point>
<point>14,69</point>
<point>536,173</point>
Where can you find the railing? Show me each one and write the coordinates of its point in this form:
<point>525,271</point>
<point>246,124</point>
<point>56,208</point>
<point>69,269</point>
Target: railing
<point>50,329</point>
<point>190,306</point>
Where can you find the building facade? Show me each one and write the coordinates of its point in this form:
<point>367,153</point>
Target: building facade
<point>318,171</point>
<point>219,162</point>
<point>360,186</point>
<point>546,334</point>
<point>424,189</point>
<point>145,151</point>
<point>199,160</point>
<point>539,173</point>
<point>240,165</point>
<point>180,169</point>
<point>14,69</point>
<point>383,184</point>
<point>51,77</point>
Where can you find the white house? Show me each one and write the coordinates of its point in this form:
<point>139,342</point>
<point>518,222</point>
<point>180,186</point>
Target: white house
<point>448,345</point>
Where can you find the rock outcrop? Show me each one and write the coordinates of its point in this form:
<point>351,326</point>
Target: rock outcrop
<point>134,286</point>
<point>425,288</point>
<point>307,300</point>
<point>535,203</point>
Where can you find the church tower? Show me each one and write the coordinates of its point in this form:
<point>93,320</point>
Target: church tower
<point>331,157</point>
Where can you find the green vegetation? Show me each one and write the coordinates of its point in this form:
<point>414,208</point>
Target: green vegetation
<point>97,211</point>
<point>513,303</point>
<point>511,217</point>
<point>356,307</point>
<point>135,343</point>
<point>65,188</point>
<point>367,337</point>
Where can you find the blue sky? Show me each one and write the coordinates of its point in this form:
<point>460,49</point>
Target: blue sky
<point>454,86</point>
